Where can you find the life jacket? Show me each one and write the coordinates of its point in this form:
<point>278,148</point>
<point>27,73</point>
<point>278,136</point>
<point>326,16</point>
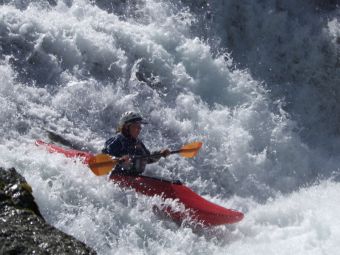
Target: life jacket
<point>120,145</point>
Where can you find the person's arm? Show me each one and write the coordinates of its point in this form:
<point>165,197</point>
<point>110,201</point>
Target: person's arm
<point>113,147</point>
<point>152,159</point>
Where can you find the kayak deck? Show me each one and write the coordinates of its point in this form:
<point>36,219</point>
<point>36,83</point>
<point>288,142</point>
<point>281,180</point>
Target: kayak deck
<point>69,153</point>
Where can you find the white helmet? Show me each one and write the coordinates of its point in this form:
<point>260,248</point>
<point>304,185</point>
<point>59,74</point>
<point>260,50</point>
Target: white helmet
<point>129,117</point>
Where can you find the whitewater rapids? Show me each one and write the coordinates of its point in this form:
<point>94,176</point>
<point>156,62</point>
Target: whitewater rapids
<point>256,82</point>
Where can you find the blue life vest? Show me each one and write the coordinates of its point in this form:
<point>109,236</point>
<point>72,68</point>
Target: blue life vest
<point>120,145</point>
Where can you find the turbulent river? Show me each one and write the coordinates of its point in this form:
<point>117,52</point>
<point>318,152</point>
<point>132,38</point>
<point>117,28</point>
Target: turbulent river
<point>256,81</point>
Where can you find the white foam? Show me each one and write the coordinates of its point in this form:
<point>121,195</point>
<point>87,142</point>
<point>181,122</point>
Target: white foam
<point>76,72</point>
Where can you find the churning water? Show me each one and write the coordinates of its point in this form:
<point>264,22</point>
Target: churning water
<point>256,81</point>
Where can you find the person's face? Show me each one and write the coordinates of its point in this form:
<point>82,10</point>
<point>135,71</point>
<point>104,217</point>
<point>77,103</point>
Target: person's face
<point>134,129</point>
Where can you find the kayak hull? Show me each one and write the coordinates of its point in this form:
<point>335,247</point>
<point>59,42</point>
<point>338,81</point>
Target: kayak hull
<point>197,208</point>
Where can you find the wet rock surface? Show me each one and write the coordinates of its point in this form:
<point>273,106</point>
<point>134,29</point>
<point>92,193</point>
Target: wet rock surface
<point>23,230</point>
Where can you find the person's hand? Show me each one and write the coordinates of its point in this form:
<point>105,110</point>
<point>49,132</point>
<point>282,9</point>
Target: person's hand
<point>165,152</point>
<point>125,159</point>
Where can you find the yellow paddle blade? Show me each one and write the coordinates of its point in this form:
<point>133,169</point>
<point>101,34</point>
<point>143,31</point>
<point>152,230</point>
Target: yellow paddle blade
<point>190,150</point>
<point>102,164</point>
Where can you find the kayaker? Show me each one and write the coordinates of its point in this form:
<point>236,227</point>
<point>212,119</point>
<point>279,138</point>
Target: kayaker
<point>126,146</point>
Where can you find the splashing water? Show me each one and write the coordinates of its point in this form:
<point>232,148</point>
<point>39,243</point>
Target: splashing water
<point>75,66</point>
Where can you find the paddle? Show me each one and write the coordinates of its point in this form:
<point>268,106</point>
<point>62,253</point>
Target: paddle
<point>71,144</point>
<point>102,164</point>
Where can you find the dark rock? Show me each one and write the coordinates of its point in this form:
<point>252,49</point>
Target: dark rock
<point>23,230</point>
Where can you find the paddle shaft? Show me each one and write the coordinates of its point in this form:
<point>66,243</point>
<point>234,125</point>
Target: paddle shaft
<point>102,164</point>
<point>161,154</point>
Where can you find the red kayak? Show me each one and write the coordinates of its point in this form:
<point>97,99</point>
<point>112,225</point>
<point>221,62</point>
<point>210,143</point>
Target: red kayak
<point>197,208</point>
<point>84,156</point>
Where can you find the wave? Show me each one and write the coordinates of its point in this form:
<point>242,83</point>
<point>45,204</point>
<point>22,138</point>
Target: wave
<point>255,81</point>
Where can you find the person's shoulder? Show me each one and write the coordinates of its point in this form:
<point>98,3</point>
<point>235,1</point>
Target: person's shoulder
<point>141,143</point>
<point>116,138</point>
<point>119,136</point>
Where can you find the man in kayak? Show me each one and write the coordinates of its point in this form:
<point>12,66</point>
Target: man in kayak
<point>126,146</point>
